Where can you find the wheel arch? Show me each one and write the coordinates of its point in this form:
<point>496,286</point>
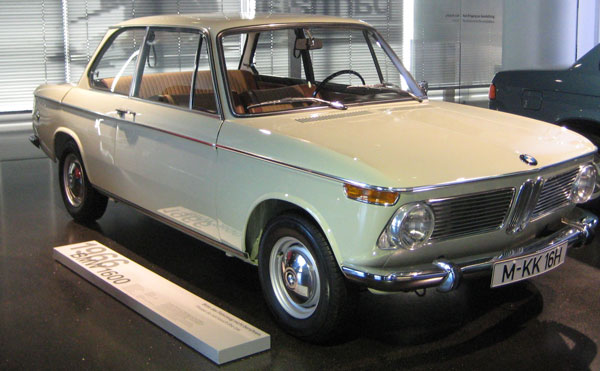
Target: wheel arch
<point>61,136</point>
<point>271,207</point>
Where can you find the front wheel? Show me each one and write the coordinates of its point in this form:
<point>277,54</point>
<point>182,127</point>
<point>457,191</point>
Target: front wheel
<point>301,280</point>
<point>82,201</point>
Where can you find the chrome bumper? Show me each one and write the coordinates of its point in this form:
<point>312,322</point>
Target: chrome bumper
<point>577,230</point>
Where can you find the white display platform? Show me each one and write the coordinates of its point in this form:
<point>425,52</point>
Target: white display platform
<point>218,335</point>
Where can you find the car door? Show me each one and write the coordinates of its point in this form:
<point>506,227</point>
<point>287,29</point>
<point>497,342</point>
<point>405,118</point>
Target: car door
<point>92,106</point>
<point>165,143</point>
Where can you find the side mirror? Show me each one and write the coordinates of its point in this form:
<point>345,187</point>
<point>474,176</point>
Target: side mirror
<point>309,44</point>
<point>424,85</point>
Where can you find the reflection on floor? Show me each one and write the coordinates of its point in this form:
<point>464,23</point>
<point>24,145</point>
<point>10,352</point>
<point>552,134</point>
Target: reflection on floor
<point>50,316</point>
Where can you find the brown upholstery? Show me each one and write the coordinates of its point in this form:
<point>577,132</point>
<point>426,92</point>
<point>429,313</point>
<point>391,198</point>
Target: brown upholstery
<point>122,86</point>
<point>241,81</point>
<point>155,83</point>
<point>171,87</point>
<point>174,88</point>
<point>159,83</point>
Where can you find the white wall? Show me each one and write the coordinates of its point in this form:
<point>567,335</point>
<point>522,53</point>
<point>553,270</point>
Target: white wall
<point>588,29</point>
<point>539,34</point>
<point>548,33</point>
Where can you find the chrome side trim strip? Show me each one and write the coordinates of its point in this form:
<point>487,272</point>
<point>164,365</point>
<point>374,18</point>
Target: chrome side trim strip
<point>394,189</point>
<point>98,114</point>
<point>341,179</point>
<point>294,167</point>
<point>199,236</point>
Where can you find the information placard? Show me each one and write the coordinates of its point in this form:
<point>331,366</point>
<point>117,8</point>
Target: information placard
<point>216,334</point>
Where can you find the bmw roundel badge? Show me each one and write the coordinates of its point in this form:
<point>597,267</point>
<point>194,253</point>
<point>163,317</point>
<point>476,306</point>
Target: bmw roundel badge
<point>529,160</point>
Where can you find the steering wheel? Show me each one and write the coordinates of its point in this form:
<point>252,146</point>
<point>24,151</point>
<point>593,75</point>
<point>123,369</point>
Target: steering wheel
<point>333,76</point>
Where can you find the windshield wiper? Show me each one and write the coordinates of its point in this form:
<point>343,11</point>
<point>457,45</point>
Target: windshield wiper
<point>335,104</point>
<point>386,84</point>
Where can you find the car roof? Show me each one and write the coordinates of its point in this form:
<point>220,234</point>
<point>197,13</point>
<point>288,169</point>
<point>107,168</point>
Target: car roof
<point>216,22</point>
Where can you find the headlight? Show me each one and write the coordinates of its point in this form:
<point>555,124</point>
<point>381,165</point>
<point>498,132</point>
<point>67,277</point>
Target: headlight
<point>583,187</point>
<point>410,227</point>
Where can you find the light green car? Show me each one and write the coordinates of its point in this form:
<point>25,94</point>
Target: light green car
<point>302,145</point>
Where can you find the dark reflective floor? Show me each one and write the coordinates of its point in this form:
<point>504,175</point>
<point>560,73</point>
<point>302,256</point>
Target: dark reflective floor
<point>52,318</point>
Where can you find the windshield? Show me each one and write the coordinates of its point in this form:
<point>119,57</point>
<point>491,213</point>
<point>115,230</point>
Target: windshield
<point>275,70</point>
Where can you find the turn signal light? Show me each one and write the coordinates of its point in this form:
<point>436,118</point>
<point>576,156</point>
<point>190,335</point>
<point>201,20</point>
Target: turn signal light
<point>371,196</point>
<point>492,93</point>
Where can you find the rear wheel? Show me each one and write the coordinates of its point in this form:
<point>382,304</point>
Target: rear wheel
<point>301,280</point>
<point>82,201</point>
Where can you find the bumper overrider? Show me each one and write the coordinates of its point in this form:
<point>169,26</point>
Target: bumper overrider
<point>577,230</point>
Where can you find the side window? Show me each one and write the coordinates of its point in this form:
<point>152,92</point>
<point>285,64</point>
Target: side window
<point>204,93</point>
<point>115,69</point>
<point>169,62</point>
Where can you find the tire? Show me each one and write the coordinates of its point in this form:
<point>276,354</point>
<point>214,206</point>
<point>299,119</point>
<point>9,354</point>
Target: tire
<point>82,201</point>
<point>316,311</point>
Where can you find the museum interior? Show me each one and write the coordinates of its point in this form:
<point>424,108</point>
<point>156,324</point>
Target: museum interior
<point>457,56</point>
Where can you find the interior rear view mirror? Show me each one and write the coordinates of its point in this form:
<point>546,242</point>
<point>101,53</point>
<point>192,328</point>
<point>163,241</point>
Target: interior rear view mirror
<point>424,85</point>
<point>309,44</point>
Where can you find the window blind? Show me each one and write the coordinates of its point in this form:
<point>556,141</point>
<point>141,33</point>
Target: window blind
<point>89,20</point>
<point>458,42</point>
<point>31,50</point>
<point>384,15</point>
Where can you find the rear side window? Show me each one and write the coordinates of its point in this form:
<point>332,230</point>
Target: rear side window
<point>115,68</point>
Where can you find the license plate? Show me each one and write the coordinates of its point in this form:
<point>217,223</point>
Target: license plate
<point>509,271</point>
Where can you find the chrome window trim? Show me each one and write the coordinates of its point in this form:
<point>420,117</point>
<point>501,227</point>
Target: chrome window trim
<point>213,72</point>
<point>102,48</point>
<point>180,108</point>
<point>277,26</point>
<point>137,73</point>
<point>207,40</point>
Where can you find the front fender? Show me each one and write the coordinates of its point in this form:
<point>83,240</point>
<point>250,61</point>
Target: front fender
<point>284,200</point>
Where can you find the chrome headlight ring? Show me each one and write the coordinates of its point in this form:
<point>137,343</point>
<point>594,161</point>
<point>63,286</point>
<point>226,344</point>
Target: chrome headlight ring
<point>410,227</point>
<point>584,184</point>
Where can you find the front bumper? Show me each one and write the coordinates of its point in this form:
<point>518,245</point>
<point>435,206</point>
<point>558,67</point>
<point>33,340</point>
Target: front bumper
<point>577,230</point>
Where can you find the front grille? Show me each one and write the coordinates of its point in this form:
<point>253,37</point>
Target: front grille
<point>555,193</point>
<point>470,214</point>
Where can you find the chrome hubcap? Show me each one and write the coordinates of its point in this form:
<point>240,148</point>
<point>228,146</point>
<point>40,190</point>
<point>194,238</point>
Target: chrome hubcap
<point>294,277</point>
<point>73,180</point>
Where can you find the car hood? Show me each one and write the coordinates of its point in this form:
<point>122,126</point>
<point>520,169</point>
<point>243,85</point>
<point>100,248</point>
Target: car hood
<point>405,144</point>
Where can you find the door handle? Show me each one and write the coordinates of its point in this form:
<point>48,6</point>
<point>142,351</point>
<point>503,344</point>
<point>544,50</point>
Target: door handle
<point>123,111</point>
